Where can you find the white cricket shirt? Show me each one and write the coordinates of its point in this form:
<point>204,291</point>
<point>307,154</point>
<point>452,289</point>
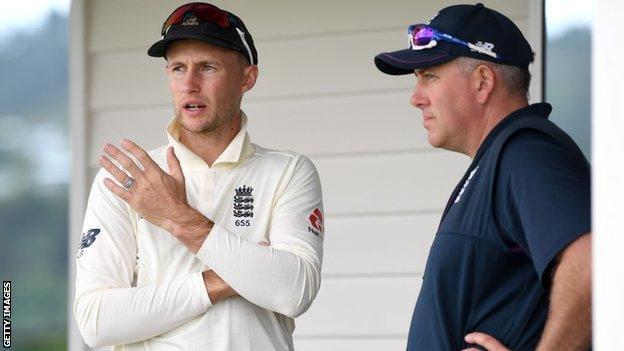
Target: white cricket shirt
<point>139,288</point>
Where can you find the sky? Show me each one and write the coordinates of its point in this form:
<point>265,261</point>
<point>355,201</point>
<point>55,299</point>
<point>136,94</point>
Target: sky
<point>27,15</point>
<point>564,14</point>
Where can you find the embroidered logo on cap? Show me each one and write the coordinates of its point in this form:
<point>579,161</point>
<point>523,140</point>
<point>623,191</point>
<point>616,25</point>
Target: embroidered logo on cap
<point>485,45</point>
<point>190,20</point>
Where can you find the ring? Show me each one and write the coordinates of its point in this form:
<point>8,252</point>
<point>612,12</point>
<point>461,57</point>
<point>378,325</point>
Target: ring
<point>128,182</point>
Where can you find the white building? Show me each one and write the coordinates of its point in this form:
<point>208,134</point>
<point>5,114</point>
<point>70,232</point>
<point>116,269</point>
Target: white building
<point>320,94</point>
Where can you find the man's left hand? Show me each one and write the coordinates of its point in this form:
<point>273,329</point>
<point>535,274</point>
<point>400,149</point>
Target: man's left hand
<point>484,340</point>
<point>158,196</point>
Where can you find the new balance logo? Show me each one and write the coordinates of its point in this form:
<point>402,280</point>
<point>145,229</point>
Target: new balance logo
<point>484,45</point>
<point>86,240</point>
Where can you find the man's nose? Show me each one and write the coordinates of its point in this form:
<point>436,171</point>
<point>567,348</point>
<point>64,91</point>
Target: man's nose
<point>418,98</point>
<point>191,82</point>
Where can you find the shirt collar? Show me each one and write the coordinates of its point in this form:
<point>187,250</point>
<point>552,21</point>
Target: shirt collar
<point>238,150</point>
<point>542,109</point>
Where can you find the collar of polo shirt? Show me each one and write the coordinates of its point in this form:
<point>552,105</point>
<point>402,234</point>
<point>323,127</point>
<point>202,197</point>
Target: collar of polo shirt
<point>239,149</point>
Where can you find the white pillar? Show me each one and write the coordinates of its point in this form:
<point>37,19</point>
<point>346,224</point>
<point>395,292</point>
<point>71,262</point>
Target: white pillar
<point>536,39</point>
<point>608,174</point>
<point>78,185</point>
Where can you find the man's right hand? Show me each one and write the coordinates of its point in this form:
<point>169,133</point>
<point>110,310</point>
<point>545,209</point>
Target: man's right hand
<point>217,288</point>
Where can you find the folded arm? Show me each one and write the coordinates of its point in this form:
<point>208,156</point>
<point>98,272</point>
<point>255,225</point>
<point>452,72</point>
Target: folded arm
<point>283,277</point>
<point>107,308</point>
<point>114,315</point>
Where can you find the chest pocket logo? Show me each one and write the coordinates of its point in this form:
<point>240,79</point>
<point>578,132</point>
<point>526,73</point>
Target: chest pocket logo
<point>243,206</point>
<point>243,203</point>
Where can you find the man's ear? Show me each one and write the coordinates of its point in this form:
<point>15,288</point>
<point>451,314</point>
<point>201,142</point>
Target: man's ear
<point>485,81</point>
<point>250,74</point>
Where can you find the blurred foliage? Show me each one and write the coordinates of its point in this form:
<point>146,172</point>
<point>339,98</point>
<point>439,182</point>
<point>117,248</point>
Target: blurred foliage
<point>34,198</point>
<point>34,71</point>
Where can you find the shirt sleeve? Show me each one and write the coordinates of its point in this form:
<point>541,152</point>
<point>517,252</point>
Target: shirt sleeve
<point>108,309</point>
<point>545,191</point>
<point>284,277</point>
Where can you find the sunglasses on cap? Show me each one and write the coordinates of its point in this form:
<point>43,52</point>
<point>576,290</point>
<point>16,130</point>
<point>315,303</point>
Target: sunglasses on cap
<point>205,13</point>
<point>422,36</point>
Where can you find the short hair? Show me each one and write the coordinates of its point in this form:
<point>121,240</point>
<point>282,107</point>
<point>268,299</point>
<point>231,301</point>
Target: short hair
<point>244,60</point>
<point>516,79</point>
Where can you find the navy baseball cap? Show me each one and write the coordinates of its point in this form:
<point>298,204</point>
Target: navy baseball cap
<point>494,36</point>
<point>207,23</point>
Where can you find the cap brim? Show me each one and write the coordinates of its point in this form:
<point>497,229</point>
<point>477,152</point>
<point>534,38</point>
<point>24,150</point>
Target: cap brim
<point>159,48</point>
<point>406,61</point>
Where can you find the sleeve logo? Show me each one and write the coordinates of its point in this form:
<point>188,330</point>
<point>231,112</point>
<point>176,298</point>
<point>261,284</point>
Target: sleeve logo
<point>316,223</point>
<point>86,240</point>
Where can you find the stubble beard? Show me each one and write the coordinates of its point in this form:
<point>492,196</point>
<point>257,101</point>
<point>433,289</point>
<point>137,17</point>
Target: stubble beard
<point>212,123</point>
<point>200,125</point>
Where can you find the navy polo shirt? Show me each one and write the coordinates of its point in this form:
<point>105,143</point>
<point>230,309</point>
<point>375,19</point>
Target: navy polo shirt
<point>524,198</point>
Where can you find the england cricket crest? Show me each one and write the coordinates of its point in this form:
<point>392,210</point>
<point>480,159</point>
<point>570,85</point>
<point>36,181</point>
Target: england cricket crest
<point>243,202</point>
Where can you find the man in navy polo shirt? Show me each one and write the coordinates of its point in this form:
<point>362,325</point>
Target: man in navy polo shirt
<point>510,267</point>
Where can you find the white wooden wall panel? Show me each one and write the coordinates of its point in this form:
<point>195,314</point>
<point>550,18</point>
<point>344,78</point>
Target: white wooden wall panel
<point>341,64</point>
<point>319,94</point>
<point>144,126</point>
<point>123,80</point>
<point>140,21</point>
<point>383,184</point>
<point>312,126</point>
<point>377,245</point>
<point>361,307</point>
<point>120,79</point>
<point>344,344</point>
<point>371,122</point>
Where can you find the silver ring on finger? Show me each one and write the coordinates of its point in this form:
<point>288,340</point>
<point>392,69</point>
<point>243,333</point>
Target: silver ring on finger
<point>128,182</point>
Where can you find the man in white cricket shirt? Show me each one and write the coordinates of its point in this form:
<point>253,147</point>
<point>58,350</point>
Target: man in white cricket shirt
<point>210,242</point>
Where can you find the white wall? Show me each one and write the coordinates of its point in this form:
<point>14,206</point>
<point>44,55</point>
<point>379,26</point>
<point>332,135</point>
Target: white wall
<point>608,176</point>
<point>320,94</point>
